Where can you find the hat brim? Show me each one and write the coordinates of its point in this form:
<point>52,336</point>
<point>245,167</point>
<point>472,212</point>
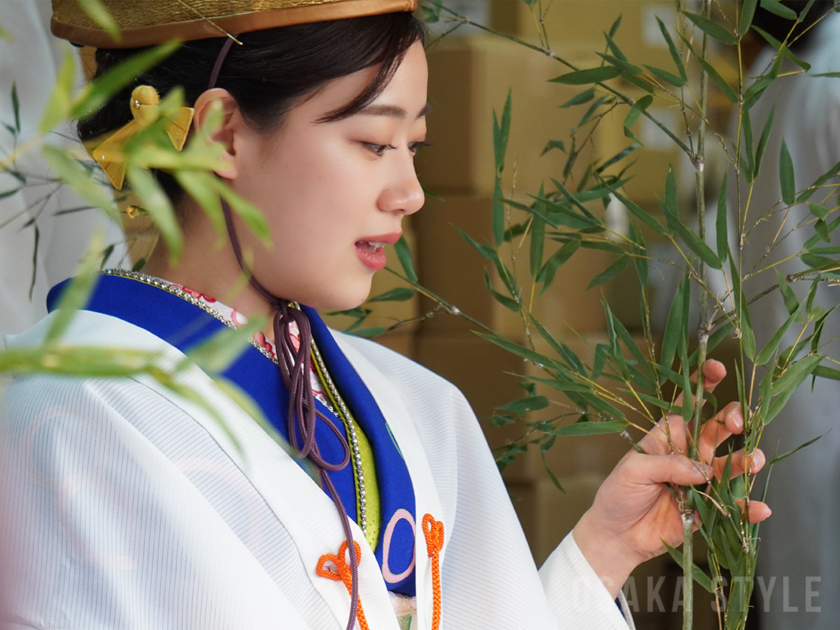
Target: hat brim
<point>224,25</point>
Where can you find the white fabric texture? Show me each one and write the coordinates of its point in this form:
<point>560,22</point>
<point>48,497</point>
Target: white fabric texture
<point>31,61</point>
<point>799,550</point>
<point>130,507</point>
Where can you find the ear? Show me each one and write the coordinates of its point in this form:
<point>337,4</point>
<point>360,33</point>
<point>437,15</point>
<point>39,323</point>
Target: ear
<point>227,133</point>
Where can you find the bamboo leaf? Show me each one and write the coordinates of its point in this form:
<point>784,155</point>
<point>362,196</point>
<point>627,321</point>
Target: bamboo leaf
<point>616,51</point>
<point>16,107</point>
<point>777,8</point>
<point>747,13</point>
<point>666,76</point>
<point>585,77</point>
<point>537,235</point>
<point>697,246</point>
<point>77,294</point>
<point>818,211</point>
<point>97,11</point>
<point>524,405</point>
<point>826,372</point>
<point>251,216</point>
<point>501,299</point>
<point>696,572</point>
<point>400,294</point>
<point>713,29</point>
<point>795,374</point>
<point>201,186</point>
<point>61,100</point>
<point>218,352</point>
<point>485,250</point>
<point>516,349</point>
<point>501,133</point>
<point>610,272</point>
<point>622,65</point>
<point>639,251</point>
<point>579,429</point>
<point>74,175</point>
<point>633,115</point>
<point>645,216</point>
<point>725,88</point>
<point>722,221</point>
<point>498,213</point>
<point>783,49</point>
<point>557,260</point>
<point>404,256</point>
<point>159,207</point>
<point>791,301</point>
<point>674,328</point>
<point>770,348</point>
<point>762,141</point>
<point>675,55</point>
<point>779,458</point>
<point>786,175</point>
<point>583,97</point>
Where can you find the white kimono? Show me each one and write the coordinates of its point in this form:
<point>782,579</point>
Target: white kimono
<point>131,507</point>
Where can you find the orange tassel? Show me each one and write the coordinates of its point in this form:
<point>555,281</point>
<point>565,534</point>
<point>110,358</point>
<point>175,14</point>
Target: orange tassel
<point>433,531</point>
<point>343,574</point>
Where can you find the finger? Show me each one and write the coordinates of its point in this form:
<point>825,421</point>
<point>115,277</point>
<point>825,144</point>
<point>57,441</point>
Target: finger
<point>667,437</point>
<point>726,422</point>
<point>740,461</point>
<point>759,511</point>
<point>713,373</point>
<point>673,469</point>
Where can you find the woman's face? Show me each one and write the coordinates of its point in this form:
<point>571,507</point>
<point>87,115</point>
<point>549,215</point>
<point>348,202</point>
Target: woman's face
<point>334,193</point>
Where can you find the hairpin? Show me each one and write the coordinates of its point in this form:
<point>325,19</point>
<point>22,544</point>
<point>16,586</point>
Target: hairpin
<point>145,111</point>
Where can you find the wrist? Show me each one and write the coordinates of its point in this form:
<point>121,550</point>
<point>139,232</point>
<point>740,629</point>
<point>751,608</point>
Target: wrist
<point>612,559</point>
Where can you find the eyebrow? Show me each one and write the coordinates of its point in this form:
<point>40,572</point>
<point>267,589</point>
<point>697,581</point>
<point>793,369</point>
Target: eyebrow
<point>394,111</point>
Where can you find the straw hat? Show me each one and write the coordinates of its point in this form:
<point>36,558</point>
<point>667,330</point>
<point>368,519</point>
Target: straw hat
<point>149,22</point>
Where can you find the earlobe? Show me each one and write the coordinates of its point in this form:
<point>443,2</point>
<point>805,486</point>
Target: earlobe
<point>208,107</point>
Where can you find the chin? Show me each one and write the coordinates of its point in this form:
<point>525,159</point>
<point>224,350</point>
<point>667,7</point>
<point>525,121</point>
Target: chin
<point>348,297</point>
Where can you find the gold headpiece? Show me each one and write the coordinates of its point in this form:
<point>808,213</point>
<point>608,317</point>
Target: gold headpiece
<point>150,22</point>
<point>145,111</point>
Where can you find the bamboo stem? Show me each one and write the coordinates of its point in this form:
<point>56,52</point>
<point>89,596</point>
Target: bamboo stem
<point>703,330</point>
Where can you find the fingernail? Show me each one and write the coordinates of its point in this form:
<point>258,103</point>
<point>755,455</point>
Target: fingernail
<point>757,461</point>
<point>739,420</point>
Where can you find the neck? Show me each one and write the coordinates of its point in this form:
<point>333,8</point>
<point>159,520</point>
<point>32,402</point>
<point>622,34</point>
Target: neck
<point>208,265</point>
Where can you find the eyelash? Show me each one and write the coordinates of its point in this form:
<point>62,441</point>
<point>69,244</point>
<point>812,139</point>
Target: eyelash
<point>379,149</point>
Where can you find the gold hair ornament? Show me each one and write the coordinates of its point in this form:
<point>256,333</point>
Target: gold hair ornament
<point>145,101</point>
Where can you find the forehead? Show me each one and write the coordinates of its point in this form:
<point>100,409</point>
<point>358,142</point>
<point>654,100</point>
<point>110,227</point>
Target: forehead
<point>403,98</point>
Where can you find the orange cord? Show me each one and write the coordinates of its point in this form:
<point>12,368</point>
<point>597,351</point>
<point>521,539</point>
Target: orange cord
<point>433,531</point>
<point>343,574</point>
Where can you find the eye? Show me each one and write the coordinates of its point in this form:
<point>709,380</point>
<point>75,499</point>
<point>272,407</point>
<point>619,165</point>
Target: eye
<point>413,146</point>
<point>378,149</point>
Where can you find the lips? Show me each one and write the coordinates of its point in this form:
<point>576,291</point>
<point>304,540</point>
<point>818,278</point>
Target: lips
<point>371,250</point>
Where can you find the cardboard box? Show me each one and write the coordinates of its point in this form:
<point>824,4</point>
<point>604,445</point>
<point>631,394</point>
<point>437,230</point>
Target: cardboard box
<point>581,24</point>
<point>469,77</point>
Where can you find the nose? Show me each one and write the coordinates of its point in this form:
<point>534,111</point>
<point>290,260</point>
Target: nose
<point>404,194</point>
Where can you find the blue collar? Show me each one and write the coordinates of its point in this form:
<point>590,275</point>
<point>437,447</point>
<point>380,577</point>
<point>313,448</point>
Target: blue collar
<point>184,326</point>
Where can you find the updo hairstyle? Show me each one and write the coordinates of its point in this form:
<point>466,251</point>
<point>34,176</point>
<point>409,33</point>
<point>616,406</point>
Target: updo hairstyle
<point>269,73</point>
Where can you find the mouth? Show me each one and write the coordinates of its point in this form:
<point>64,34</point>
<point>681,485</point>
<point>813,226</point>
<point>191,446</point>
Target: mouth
<point>371,247</point>
<point>371,250</point>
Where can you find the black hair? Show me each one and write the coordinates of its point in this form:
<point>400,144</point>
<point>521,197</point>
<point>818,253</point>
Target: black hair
<point>779,27</point>
<point>269,73</point>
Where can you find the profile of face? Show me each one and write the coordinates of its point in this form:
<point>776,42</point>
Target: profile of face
<point>333,193</point>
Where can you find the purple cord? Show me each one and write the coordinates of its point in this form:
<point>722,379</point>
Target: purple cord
<point>303,415</point>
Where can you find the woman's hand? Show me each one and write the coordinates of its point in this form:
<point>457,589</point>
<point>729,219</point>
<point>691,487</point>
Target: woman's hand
<point>635,510</point>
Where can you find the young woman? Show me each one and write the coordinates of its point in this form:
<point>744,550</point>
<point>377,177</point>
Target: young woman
<point>130,506</point>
